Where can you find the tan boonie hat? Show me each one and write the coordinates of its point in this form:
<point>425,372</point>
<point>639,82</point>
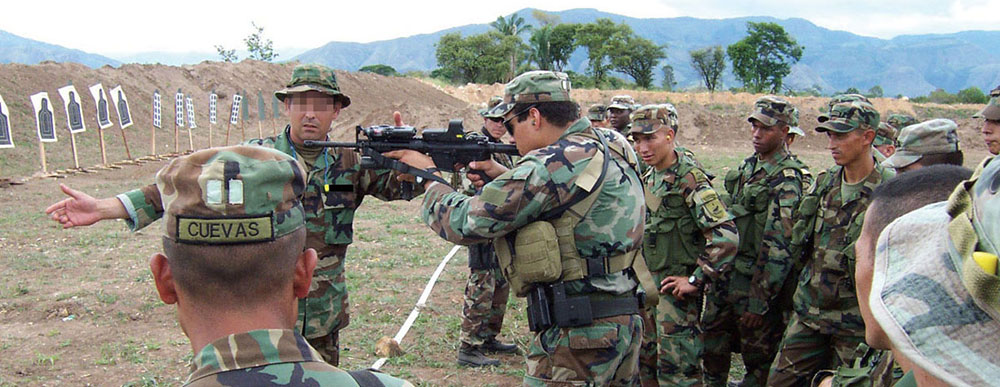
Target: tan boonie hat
<point>306,77</point>
<point>939,135</point>
<point>992,110</point>
<point>848,116</point>
<point>648,119</point>
<point>537,86</point>
<point>597,112</point>
<point>770,110</point>
<point>884,135</point>
<point>624,102</point>
<point>231,195</point>
<point>493,102</point>
<point>840,98</point>
<point>935,287</point>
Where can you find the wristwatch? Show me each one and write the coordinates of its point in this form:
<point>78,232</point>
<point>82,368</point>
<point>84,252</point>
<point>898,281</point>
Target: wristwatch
<point>694,281</point>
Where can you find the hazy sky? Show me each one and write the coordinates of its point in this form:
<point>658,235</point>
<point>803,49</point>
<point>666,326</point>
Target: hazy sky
<point>115,27</point>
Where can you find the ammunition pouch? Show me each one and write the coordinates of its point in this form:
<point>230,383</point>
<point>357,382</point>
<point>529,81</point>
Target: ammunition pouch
<point>549,305</point>
<point>482,257</point>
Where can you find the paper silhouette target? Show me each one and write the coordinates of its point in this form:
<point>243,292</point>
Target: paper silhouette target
<point>101,101</point>
<point>234,114</point>
<point>44,119</point>
<point>213,101</point>
<point>157,110</point>
<point>189,102</point>
<point>5,140</point>
<point>121,103</point>
<point>74,114</point>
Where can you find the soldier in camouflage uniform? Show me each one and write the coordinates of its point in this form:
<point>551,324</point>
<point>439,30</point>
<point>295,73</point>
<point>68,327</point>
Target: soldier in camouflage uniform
<point>618,112</point>
<point>335,187</point>
<point>486,291</point>
<point>826,327</point>
<point>991,122</point>
<point>598,115</point>
<point>899,121</point>
<point>764,192</point>
<point>927,143</point>
<point>577,180</point>
<point>234,263</point>
<point>689,245</point>
<point>885,139</point>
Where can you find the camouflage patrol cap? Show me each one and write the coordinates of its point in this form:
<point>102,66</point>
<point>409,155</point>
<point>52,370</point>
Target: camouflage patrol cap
<point>992,110</point>
<point>231,195</point>
<point>793,125</point>
<point>624,102</point>
<point>316,77</point>
<point>900,121</point>
<point>537,86</point>
<point>597,112</point>
<point>493,102</point>
<point>770,110</point>
<point>847,116</point>
<point>840,98</point>
<point>935,289</point>
<point>650,118</point>
<point>935,136</point>
<point>884,135</point>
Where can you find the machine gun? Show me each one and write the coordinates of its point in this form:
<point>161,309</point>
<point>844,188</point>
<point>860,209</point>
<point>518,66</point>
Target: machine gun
<point>447,147</point>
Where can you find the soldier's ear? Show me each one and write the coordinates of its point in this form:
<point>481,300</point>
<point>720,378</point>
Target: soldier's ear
<point>164,278</point>
<point>304,267</point>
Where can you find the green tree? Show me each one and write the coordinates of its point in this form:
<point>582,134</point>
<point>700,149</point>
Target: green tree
<point>972,95</point>
<point>226,55</point>
<point>599,37</point>
<point>875,92</point>
<point>512,26</point>
<point>763,58</point>
<point>636,57</point>
<point>541,48</point>
<point>260,48</point>
<point>709,62</point>
<point>476,58</point>
<point>380,69</point>
<point>668,78</point>
<point>852,90</point>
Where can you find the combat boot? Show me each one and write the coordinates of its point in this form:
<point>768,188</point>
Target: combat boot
<point>473,357</point>
<point>494,346</point>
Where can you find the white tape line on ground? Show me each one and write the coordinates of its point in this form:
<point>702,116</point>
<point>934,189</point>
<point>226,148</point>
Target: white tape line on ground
<point>421,302</point>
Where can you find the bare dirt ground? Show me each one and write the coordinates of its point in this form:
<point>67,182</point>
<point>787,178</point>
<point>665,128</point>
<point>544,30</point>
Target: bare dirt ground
<point>77,307</point>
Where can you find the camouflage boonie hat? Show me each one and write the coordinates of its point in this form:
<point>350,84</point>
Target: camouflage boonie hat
<point>231,195</point>
<point>935,136</point>
<point>935,289</point>
<point>838,99</point>
<point>316,77</point>
<point>900,121</point>
<point>649,118</point>
<point>884,135</point>
<point>624,102</point>
<point>793,125</point>
<point>597,112</point>
<point>533,87</point>
<point>992,110</point>
<point>493,102</point>
<point>847,116</point>
<point>770,110</point>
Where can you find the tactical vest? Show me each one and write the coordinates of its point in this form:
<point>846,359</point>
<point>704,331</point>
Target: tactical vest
<point>673,241</point>
<point>748,203</point>
<point>545,251</point>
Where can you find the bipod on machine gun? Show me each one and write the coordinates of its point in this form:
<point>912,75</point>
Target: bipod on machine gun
<point>447,147</point>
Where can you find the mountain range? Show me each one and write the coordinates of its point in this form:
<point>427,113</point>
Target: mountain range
<point>832,61</point>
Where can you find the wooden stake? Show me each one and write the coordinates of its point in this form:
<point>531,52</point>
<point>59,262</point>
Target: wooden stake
<point>243,131</point>
<point>177,148</point>
<point>152,141</point>
<point>41,155</point>
<point>72,144</point>
<point>128,153</point>
<point>190,140</point>
<point>104,153</point>
<point>229,126</point>
<point>210,142</point>
<point>260,130</point>
<point>274,128</point>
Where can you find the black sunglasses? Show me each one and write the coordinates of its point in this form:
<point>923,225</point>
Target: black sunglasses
<point>507,124</point>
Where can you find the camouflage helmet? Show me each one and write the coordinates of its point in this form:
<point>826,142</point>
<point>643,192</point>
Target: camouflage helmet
<point>597,112</point>
<point>231,195</point>
<point>935,287</point>
<point>935,136</point>
<point>900,121</point>
<point>306,77</point>
<point>537,86</point>
<point>840,98</point>
<point>848,116</point>
<point>624,102</point>
<point>650,118</point>
<point>992,110</point>
<point>769,110</point>
<point>884,135</point>
<point>793,125</point>
<point>492,103</point>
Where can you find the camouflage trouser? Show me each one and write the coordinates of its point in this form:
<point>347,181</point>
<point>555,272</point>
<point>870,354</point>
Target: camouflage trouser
<point>601,354</point>
<point>328,346</point>
<point>806,351</point>
<point>679,361</point>
<point>486,296</point>
<point>725,335</point>
<point>647,351</point>
<point>324,311</point>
